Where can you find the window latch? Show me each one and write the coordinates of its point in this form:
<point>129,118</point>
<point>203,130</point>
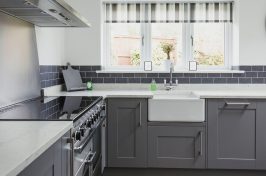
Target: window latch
<point>142,40</point>
<point>192,40</point>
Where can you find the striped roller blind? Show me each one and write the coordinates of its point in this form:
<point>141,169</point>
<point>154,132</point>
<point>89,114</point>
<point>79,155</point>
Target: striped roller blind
<point>202,12</point>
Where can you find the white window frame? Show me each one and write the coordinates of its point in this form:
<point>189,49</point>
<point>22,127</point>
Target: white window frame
<point>228,39</point>
<point>145,29</point>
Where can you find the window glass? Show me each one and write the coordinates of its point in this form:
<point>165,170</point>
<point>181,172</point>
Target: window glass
<point>209,42</point>
<point>125,44</point>
<point>169,34</point>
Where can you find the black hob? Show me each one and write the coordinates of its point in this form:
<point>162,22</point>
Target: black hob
<point>49,109</point>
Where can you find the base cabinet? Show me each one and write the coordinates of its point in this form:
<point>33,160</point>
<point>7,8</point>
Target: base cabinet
<point>236,134</point>
<point>176,146</point>
<point>127,132</point>
<point>54,161</point>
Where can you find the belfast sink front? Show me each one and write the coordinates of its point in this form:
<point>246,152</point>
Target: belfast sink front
<point>176,106</point>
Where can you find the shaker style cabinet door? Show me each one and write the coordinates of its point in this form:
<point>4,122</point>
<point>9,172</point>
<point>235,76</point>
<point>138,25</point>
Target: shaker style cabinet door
<point>55,161</point>
<point>48,164</point>
<point>236,134</point>
<point>176,147</point>
<point>127,132</point>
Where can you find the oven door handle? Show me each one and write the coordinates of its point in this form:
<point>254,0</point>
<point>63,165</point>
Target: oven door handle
<point>90,158</point>
<point>81,147</point>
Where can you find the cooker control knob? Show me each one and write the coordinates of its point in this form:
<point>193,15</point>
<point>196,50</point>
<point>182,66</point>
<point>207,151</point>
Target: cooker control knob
<point>95,117</point>
<point>88,124</point>
<point>77,135</point>
<point>82,131</point>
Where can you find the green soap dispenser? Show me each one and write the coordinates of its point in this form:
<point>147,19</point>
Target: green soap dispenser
<point>153,85</point>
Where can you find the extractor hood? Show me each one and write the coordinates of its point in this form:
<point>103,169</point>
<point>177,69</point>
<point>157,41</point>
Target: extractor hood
<point>44,13</point>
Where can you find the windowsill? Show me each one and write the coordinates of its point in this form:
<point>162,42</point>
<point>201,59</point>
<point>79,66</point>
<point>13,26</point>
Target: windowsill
<point>177,71</point>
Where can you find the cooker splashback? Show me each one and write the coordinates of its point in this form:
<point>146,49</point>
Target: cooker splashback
<point>19,64</point>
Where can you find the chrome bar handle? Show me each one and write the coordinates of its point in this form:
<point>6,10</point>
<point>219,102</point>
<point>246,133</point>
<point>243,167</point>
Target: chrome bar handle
<point>237,103</point>
<point>198,150</point>
<point>90,158</point>
<point>71,142</point>
<point>201,138</point>
<point>140,118</point>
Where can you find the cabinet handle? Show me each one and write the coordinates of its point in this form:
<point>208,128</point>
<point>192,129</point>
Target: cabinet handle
<point>201,137</point>
<point>71,142</point>
<point>198,150</point>
<point>237,103</point>
<point>140,118</point>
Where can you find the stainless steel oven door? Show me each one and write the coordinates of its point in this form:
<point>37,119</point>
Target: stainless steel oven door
<point>86,162</point>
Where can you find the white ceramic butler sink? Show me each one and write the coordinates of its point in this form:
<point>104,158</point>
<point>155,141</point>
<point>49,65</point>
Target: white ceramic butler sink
<point>176,106</point>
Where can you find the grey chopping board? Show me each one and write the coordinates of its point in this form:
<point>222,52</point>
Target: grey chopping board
<point>73,79</point>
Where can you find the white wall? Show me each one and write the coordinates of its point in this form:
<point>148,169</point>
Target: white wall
<point>51,45</point>
<point>252,33</point>
<point>83,45</point>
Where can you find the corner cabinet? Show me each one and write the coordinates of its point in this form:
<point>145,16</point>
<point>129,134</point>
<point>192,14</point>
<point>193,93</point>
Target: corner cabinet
<point>236,134</point>
<point>176,145</point>
<point>55,161</point>
<point>127,132</point>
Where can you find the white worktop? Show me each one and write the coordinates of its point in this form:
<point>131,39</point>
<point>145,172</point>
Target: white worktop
<point>202,91</point>
<point>22,142</point>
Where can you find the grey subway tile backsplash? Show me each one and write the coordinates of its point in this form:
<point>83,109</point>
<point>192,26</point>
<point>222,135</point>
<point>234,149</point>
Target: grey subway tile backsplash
<point>214,75</point>
<point>219,81</point>
<point>258,80</point>
<point>252,74</point>
<point>195,80</point>
<point>257,68</point>
<point>207,80</point>
<point>245,81</point>
<point>52,75</point>
<point>232,80</point>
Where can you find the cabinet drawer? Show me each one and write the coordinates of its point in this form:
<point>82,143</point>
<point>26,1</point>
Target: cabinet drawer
<point>176,147</point>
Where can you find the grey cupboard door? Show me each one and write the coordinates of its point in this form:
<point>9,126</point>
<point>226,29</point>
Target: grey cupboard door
<point>48,164</point>
<point>127,132</point>
<point>176,147</point>
<point>236,134</point>
<point>261,136</point>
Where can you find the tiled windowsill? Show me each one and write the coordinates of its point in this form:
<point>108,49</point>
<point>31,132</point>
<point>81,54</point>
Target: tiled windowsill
<point>177,71</point>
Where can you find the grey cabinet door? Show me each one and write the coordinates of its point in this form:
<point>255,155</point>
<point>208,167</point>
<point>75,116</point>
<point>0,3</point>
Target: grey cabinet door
<point>127,132</point>
<point>48,164</point>
<point>55,161</point>
<point>236,134</point>
<point>176,147</point>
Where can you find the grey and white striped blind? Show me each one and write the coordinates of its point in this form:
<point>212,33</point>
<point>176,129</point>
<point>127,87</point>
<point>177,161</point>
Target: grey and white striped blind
<point>207,12</point>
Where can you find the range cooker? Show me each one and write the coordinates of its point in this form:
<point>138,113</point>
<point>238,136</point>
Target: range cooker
<point>88,116</point>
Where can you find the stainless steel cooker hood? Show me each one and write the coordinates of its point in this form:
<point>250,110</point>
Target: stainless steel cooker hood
<point>44,13</point>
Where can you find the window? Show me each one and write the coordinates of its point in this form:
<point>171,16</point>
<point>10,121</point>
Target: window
<point>209,42</point>
<point>134,33</point>
<point>125,44</point>
<point>166,33</point>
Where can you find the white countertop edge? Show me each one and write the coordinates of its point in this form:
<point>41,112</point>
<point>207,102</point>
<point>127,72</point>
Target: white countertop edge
<point>256,91</point>
<point>35,154</point>
<point>176,71</point>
